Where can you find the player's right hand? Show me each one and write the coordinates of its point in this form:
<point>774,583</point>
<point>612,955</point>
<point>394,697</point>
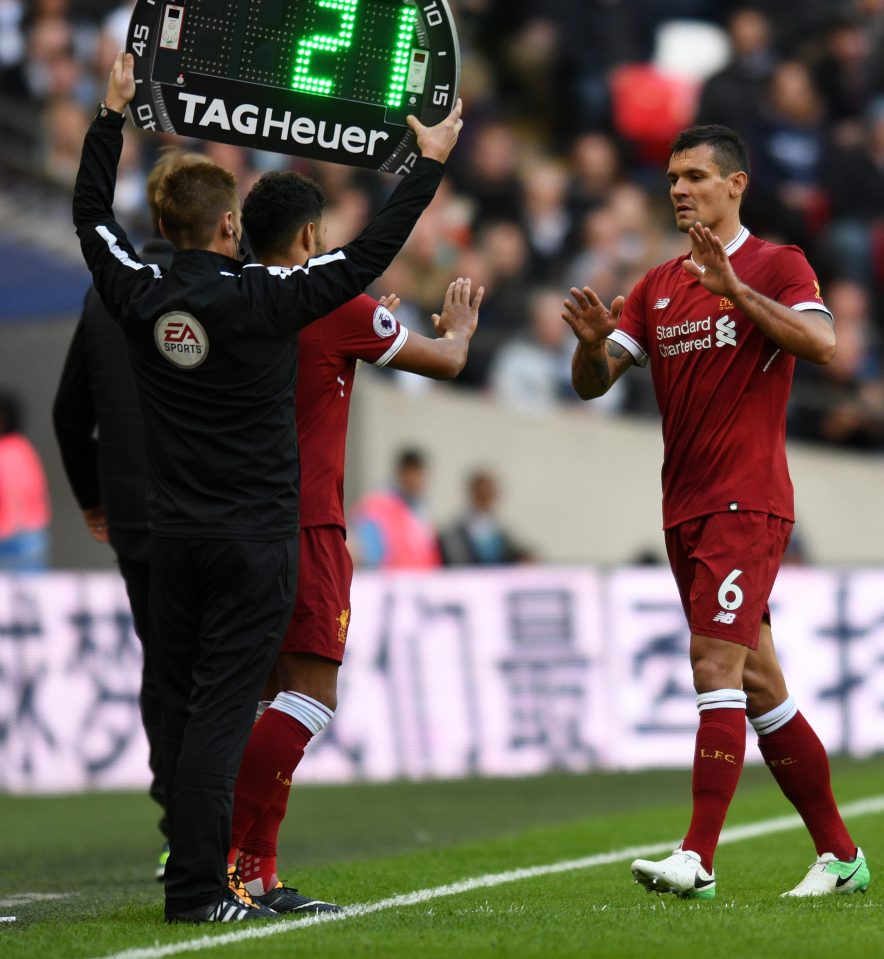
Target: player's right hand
<point>438,141</point>
<point>459,315</point>
<point>121,83</point>
<point>589,318</point>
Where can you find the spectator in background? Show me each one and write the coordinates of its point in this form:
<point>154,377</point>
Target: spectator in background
<point>843,402</point>
<point>12,42</point>
<point>65,127</point>
<point>854,181</point>
<point>547,219</point>
<point>24,496</point>
<point>390,527</point>
<point>502,251</point>
<point>847,75</point>
<point>733,96</point>
<point>46,64</point>
<point>432,249</point>
<point>478,538</point>
<point>489,174</point>
<point>596,168</point>
<point>597,263</point>
<point>789,150</point>
<point>532,373</point>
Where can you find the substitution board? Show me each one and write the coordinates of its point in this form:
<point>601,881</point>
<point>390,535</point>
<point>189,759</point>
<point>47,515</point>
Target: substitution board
<point>326,79</point>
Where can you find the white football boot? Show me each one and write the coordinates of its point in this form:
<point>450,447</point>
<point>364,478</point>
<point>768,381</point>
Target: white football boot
<point>829,876</point>
<point>680,874</point>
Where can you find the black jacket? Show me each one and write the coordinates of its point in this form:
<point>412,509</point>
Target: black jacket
<point>98,422</point>
<point>213,346</point>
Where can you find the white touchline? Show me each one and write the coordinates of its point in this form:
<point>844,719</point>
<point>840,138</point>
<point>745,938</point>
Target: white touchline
<point>275,928</point>
<point>23,898</point>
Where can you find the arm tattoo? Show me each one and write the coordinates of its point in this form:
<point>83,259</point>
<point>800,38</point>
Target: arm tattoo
<point>621,357</point>
<point>599,364</point>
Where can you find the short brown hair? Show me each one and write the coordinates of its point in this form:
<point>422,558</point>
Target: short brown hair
<point>170,159</point>
<point>191,200</point>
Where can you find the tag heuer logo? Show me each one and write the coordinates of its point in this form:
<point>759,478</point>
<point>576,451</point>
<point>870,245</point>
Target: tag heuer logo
<point>180,337</point>
<point>662,303</point>
<point>384,324</point>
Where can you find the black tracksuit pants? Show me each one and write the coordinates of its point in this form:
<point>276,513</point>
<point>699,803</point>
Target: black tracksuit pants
<point>219,611</point>
<point>136,575</point>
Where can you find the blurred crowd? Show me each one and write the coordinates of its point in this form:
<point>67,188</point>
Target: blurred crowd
<point>391,527</point>
<point>559,176</point>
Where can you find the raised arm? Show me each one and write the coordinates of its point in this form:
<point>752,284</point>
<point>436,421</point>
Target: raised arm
<point>809,334</point>
<point>444,357</point>
<point>597,361</point>
<point>110,256</point>
<point>340,275</point>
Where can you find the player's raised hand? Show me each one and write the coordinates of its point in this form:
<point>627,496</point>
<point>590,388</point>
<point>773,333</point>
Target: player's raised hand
<point>121,83</point>
<point>459,315</point>
<point>709,262</point>
<point>438,141</point>
<point>591,321</point>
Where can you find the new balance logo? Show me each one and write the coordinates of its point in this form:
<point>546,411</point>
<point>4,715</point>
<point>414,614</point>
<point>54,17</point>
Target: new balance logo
<point>662,303</point>
<point>722,617</point>
<point>725,331</point>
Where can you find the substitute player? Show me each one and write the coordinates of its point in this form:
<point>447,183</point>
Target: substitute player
<point>283,217</point>
<point>721,327</point>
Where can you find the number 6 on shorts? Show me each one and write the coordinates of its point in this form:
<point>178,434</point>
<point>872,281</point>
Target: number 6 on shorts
<point>730,596</point>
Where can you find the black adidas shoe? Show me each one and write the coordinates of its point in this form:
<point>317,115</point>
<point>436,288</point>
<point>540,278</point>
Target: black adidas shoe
<point>283,899</point>
<point>228,908</point>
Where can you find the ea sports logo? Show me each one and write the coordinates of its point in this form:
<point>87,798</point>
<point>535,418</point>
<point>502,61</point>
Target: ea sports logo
<point>180,337</point>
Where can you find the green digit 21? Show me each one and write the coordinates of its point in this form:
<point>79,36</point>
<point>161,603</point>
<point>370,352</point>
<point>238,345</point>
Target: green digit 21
<point>304,80</point>
<point>307,46</point>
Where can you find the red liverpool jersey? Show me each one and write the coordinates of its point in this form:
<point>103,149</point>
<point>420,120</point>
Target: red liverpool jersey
<point>721,384</point>
<point>327,353</point>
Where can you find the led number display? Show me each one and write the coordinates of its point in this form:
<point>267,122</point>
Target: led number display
<point>328,79</point>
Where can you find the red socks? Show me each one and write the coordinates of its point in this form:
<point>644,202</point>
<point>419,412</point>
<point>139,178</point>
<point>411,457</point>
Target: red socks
<point>275,748</point>
<point>718,762</point>
<point>257,861</point>
<point>798,761</point>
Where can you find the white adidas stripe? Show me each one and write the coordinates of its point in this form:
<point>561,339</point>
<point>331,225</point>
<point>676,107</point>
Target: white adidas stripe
<point>765,827</point>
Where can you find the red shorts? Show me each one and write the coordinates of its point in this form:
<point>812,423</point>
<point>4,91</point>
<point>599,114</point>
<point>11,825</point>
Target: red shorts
<point>321,615</point>
<point>725,565</point>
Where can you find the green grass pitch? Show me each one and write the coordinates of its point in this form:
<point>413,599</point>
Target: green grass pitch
<point>77,874</point>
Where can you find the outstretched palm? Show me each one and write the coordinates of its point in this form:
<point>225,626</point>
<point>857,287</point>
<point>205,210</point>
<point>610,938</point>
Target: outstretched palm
<point>591,321</point>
